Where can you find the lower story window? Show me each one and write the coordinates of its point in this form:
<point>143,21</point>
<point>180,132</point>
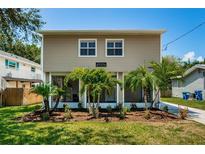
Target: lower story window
<point>71,89</point>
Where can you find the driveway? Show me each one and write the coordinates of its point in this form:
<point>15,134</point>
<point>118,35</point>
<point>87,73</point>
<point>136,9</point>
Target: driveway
<point>194,114</point>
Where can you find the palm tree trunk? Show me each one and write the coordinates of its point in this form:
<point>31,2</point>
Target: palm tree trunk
<point>98,101</point>
<point>89,105</point>
<point>156,95</point>
<point>56,105</point>
<point>145,98</point>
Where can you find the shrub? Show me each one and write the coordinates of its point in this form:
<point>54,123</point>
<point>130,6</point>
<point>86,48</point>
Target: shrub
<point>147,115</point>
<point>183,112</point>
<point>80,105</point>
<point>165,108</point>
<point>109,109</point>
<point>125,110</point>
<point>45,116</point>
<point>122,115</point>
<point>119,107</point>
<point>133,107</point>
<point>67,112</point>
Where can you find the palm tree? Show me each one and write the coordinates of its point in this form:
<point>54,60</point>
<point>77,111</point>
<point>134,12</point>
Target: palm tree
<point>141,77</point>
<point>45,90</point>
<point>84,76</point>
<point>169,67</point>
<point>59,92</point>
<point>102,80</point>
<point>93,81</point>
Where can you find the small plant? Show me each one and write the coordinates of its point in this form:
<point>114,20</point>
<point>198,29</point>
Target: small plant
<point>80,106</point>
<point>45,116</point>
<point>147,115</point>
<point>133,107</point>
<point>165,108</point>
<point>109,109</point>
<point>119,107</point>
<point>183,112</point>
<point>122,115</point>
<point>67,112</point>
<point>125,110</point>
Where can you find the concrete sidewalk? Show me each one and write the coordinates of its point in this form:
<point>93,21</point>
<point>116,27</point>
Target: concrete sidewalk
<point>194,114</point>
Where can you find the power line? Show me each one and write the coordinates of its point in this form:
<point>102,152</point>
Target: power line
<point>183,35</point>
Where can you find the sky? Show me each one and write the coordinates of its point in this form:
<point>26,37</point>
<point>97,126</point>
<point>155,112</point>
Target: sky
<point>174,21</point>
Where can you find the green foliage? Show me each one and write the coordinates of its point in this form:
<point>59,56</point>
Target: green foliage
<point>19,24</point>
<point>94,133</point>
<point>165,108</point>
<point>189,103</point>
<point>45,90</point>
<point>133,107</point>
<point>109,109</point>
<point>28,51</point>
<point>141,78</point>
<point>94,82</point>
<point>80,105</point>
<point>169,67</point>
<point>45,116</point>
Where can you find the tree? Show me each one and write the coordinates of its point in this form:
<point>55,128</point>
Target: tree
<point>19,24</point>
<point>58,92</point>
<point>28,51</point>
<point>93,81</point>
<point>169,67</point>
<point>45,90</point>
<point>141,78</point>
<point>101,80</point>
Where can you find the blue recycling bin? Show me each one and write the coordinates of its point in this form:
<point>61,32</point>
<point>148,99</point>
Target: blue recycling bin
<point>186,95</point>
<point>198,95</point>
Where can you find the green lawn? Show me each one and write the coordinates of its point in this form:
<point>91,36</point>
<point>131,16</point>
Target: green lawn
<point>13,132</point>
<point>189,103</point>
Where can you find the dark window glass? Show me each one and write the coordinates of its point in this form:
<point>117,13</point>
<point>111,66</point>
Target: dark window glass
<point>83,52</point>
<point>92,44</point>
<point>110,52</point>
<point>110,44</point>
<point>118,52</point>
<point>83,44</point>
<point>118,44</point>
<point>91,52</point>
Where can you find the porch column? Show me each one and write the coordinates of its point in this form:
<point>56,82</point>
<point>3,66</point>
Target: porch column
<point>120,91</point>
<point>50,81</point>
<point>82,98</point>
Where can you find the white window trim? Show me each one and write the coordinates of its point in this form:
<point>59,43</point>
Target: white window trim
<point>114,39</point>
<point>86,39</point>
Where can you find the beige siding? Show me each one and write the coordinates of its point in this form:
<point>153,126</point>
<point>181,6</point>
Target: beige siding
<point>61,53</point>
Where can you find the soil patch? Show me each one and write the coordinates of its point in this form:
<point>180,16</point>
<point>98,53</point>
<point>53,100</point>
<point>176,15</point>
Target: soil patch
<point>155,116</point>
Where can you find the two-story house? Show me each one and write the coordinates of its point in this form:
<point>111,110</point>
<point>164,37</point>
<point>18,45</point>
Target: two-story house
<point>18,72</point>
<point>117,51</point>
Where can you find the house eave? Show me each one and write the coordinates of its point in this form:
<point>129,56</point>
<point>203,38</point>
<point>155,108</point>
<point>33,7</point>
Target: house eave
<point>102,32</point>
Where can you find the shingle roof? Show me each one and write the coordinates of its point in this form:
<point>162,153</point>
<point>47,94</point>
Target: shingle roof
<point>18,58</point>
<point>201,66</point>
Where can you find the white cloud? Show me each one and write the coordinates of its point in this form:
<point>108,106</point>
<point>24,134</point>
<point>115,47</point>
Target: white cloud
<point>200,59</point>
<point>191,56</point>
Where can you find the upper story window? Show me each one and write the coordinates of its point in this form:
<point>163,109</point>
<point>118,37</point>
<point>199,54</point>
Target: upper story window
<point>87,48</point>
<point>11,64</point>
<point>33,69</point>
<point>115,47</point>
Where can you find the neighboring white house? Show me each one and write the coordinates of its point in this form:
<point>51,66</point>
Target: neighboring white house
<point>18,72</point>
<point>193,79</point>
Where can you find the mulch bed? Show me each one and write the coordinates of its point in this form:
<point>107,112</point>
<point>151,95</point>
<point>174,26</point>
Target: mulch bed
<point>156,116</point>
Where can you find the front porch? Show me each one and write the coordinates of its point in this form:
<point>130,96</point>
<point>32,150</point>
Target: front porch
<point>118,95</point>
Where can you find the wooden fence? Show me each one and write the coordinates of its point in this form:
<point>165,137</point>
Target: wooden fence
<point>19,96</point>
